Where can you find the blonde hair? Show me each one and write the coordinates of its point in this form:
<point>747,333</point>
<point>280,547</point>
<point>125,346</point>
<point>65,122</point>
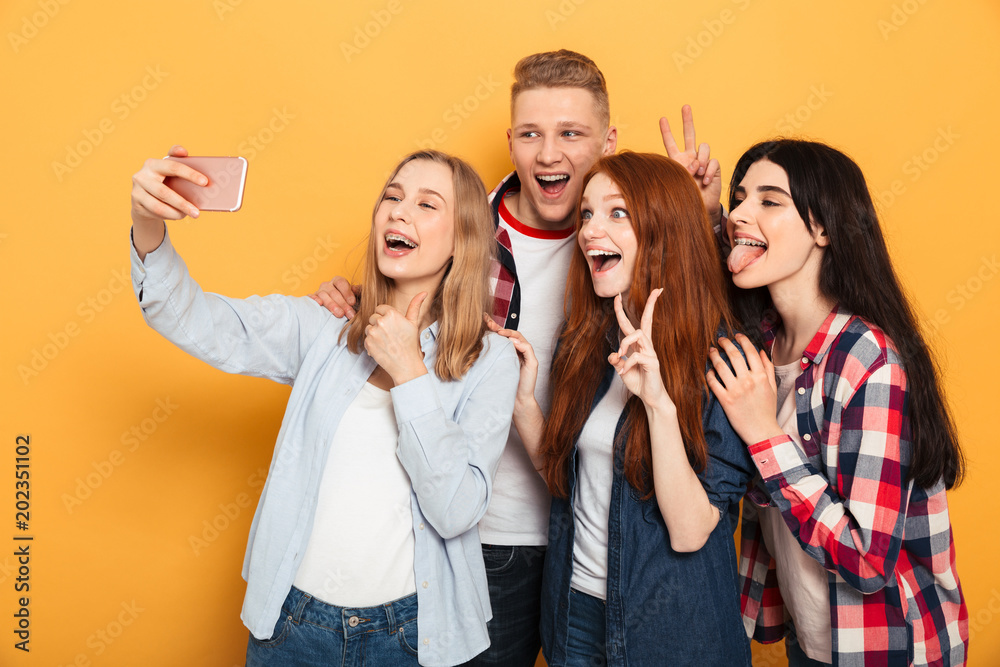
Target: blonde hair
<point>463,295</point>
<point>562,69</point>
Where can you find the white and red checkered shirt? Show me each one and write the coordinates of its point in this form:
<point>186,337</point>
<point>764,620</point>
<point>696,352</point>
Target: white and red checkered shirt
<point>895,597</point>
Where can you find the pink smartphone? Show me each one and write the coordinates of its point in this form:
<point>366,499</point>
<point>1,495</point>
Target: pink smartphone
<point>226,178</point>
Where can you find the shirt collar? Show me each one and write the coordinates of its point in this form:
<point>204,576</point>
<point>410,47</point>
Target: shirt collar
<point>820,344</point>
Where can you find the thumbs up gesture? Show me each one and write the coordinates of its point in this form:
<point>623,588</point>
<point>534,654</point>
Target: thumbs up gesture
<point>393,340</point>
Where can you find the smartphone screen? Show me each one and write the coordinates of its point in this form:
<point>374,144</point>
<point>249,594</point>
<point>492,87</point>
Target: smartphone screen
<point>226,179</point>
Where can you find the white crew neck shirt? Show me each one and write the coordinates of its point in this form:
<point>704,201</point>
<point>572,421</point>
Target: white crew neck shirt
<point>519,510</point>
<point>592,504</point>
<point>803,582</point>
<point>360,551</point>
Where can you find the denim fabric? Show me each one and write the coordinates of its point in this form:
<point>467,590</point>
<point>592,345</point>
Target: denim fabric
<point>796,656</point>
<point>311,632</point>
<point>451,437</point>
<point>585,640</point>
<point>663,607</point>
<point>514,575</point>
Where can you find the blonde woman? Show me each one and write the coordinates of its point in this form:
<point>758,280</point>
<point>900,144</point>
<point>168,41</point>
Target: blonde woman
<point>364,542</point>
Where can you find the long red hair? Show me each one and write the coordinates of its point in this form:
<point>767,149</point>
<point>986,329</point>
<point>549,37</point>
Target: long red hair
<point>677,251</point>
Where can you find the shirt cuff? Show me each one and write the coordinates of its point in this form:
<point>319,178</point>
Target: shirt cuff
<point>776,456</point>
<point>414,399</point>
<point>160,257</point>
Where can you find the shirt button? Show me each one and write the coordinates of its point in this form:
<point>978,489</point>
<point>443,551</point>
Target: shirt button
<point>426,642</point>
<point>513,316</point>
<point>805,360</point>
<point>421,526</point>
<point>353,621</point>
<point>425,584</point>
<point>427,335</point>
<point>807,437</point>
<point>801,390</point>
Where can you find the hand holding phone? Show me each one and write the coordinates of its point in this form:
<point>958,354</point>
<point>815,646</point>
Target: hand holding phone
<point>226,180</point>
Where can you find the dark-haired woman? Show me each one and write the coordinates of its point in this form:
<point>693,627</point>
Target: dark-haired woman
<point>645,471</point>
<point>847,547</point>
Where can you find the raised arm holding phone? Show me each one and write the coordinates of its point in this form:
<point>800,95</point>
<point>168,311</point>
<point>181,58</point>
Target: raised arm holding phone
<point>407,406</point>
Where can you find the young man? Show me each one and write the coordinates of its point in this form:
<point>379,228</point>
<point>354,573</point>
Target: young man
<point>560,126</point>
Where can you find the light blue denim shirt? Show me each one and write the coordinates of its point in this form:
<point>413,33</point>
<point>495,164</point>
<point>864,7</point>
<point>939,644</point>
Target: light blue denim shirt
<point>451,436</point>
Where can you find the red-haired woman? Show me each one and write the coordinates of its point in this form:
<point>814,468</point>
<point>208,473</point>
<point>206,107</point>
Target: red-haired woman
<point>645,471</point>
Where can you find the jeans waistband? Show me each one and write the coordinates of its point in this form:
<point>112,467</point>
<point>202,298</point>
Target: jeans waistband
<point>352,620</point>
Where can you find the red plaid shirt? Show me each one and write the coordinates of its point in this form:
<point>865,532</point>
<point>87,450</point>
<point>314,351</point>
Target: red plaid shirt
<point>895,597</point>
<point>503,272</point>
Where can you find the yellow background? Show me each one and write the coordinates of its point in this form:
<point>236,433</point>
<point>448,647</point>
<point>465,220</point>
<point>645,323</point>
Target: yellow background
<point>115,578</point>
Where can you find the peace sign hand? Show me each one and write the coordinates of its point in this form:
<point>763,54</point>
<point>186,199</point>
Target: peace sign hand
<point>698,161</point>
<point>636,361</point>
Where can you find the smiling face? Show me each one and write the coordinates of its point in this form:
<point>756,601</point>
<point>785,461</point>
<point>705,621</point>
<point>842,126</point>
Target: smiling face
<point>606,237</point>
<point>414,225</point>
<point>556,136</point>
<point>771,243</point>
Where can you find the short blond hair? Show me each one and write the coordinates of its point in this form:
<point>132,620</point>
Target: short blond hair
<point>562,69</point>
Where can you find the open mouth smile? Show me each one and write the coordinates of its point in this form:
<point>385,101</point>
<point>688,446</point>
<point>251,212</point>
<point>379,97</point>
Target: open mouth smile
<point>602,261</point>
<point>552,184</point>
<point>396,244</point>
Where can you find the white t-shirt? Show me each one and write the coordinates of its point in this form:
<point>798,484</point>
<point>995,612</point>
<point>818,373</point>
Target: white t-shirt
<point>519,509</point>
<point>592,503</point>
<point>360,551</point>
<point>803,582</point>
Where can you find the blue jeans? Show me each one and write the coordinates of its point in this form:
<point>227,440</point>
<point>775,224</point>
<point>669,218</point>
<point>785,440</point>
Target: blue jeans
<point>585,640</point>
<point>310,632</point>
<point>514,577</point>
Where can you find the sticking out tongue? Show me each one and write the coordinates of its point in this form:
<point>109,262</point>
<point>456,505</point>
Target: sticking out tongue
<point>743,255</point>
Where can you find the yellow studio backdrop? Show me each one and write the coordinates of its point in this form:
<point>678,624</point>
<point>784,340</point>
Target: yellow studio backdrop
<point>146,465</point>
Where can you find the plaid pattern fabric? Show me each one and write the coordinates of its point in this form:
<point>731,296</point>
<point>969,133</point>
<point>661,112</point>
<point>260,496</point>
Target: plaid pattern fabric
<point>503,273</point>
<point>887,546</point>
